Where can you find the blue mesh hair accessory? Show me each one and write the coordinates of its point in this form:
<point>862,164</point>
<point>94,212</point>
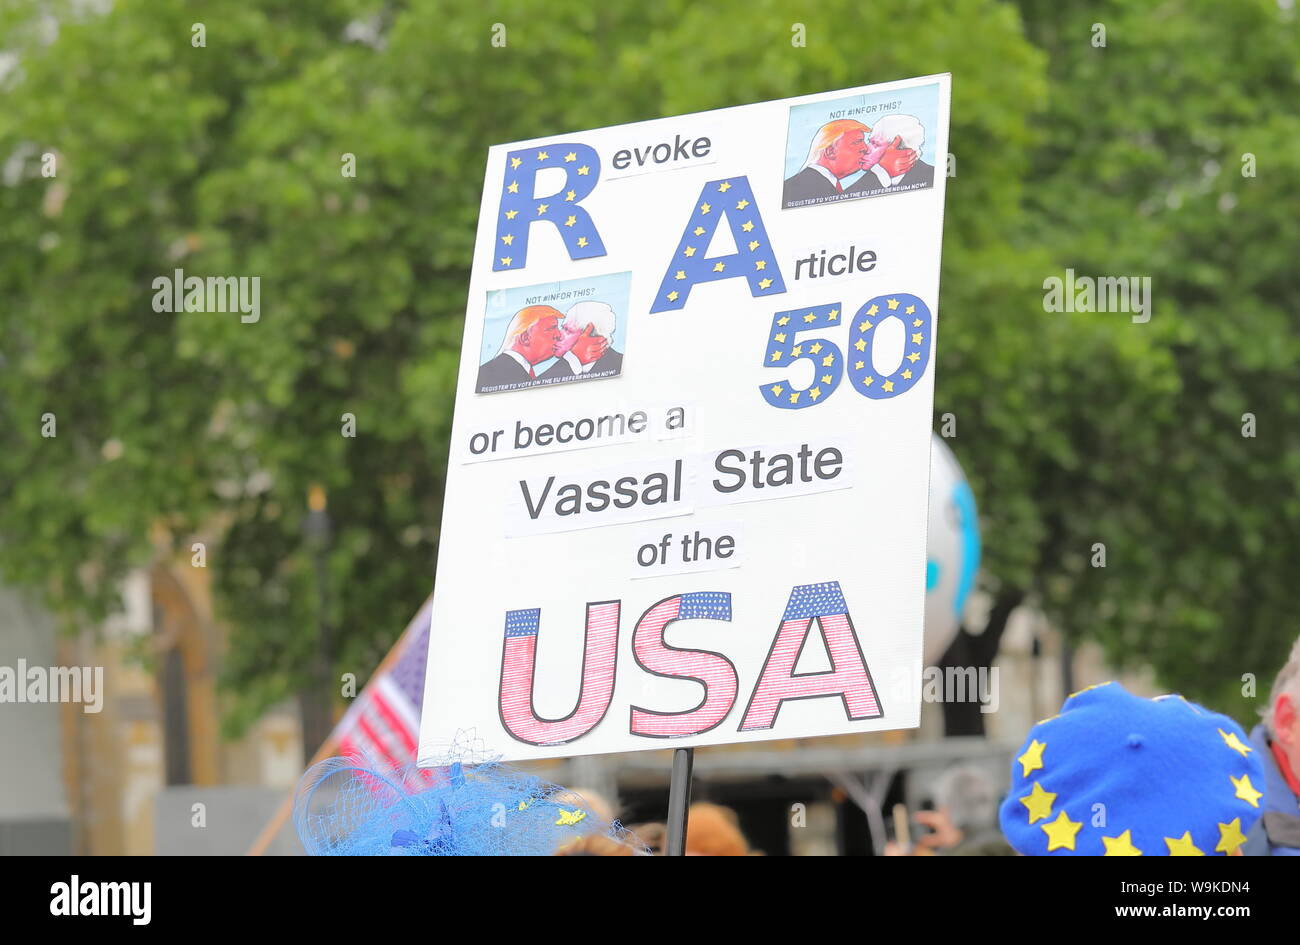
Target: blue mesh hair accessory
<point>353,807</point>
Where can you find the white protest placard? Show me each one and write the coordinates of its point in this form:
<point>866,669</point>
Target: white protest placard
<point>687,492</point>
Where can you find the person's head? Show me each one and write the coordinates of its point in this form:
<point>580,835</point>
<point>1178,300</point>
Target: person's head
<point>1282,719</point>
<point>588,330</point>
<point>839,146</point>
<point>533,332</point>
<point>903,136</point>
<point>1116,775</point>
<point>970,798</point>
<point>712,830</point>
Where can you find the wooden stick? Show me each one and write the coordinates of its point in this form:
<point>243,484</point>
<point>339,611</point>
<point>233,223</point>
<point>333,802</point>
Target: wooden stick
<point>277,822</point>
<point>902,832</point>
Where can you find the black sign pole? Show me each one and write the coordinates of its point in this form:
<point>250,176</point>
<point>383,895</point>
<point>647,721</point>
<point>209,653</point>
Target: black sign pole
<point>679,800</point>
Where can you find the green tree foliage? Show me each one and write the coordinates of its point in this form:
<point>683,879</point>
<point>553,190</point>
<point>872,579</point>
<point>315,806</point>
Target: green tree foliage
<point>1141,173</point>
<point>226,159</point>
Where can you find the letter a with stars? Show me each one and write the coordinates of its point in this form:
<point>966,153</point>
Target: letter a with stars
<point>519,209</point>
<point>754,259</point>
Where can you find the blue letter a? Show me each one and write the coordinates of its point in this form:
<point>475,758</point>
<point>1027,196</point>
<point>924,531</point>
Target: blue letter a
<point>753,259</point>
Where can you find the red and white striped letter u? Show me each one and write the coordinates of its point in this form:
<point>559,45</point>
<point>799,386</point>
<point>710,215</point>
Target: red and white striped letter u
<point>595,689</point>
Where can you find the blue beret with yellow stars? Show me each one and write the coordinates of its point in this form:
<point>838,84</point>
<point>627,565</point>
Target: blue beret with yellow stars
<point>1117,775</point>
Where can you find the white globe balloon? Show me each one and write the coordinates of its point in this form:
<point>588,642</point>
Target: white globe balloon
<point>952,550</point>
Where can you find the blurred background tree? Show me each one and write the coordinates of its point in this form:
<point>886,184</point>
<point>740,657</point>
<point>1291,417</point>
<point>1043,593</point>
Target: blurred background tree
<point>226,158</point>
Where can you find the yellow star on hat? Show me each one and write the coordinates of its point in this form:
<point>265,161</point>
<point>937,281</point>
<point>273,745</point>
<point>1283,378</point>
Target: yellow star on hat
<point>1233,742</point>
<point>1230,837</point>
<point>1061,832</point>
<point>1245,790</point>
<point>1121,845</point>
<point>1032,759</point>
<point>1039,803</point>
<point>1183,846</point>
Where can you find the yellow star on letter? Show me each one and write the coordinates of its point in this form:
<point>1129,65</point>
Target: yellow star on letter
<point>1121,845</point>
<point>810,318</point>
<point>916,338</point>
<point>827,362</point>
<point>508,238</point>
<point>794,398</point>
<point>513,188</point>
<point>672,296</point>
<point>764,283</point>
<point>570,221</point>
<point>753,245</point>
<point>582,242</point>
<point>1234,743</point>
<point>780,338</point>
<point>815,393</point>
<point>907,375</point>
<point>742,204</point>
<point>909,310</point>
<point>859,365</point>
<point>705,208</point>
<point>1039,803</point>
<point>724,186</point>
<point>783,320</point>
<point>681,274</point>
<point>860,345</point>
<point>511,214</point>
<point>1245,790</point>
<point>760,264</point>
<point>584,170</point>
<point>719,266</point>
<point>698,231</point>
<point>1061,833</point>
<point>1032,759</point>
<point>834,314</point>
<point>868,380</point>
<point>747,226</point>
<point>1183,846</point>
<point>893,304</point>
<point>506,260</point>
<point>816,348</point>
<point>570,157</point>
<point>688,251</point>
<point>796,351</point>
<point>872,311</point>
<point>1230,837</point>
<point>776,355</point>
<point>916,323</point>
<point>515,162</point>
<point>542,155</point>
<point>570,195</point>
<point>777,389</point>
<point>864,325</point>
<point>541,208</point>
<point>914,356</point>
<point>888,386</point>
<point>826,378</point>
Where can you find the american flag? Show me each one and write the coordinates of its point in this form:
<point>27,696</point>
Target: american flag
<point>383,723</point>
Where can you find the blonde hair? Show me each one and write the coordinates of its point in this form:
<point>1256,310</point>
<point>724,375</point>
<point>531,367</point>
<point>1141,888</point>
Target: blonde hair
<point>831,132</point>
<point>524,319</point>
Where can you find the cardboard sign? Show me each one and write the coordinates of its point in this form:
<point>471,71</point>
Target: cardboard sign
<point>687,493</point>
